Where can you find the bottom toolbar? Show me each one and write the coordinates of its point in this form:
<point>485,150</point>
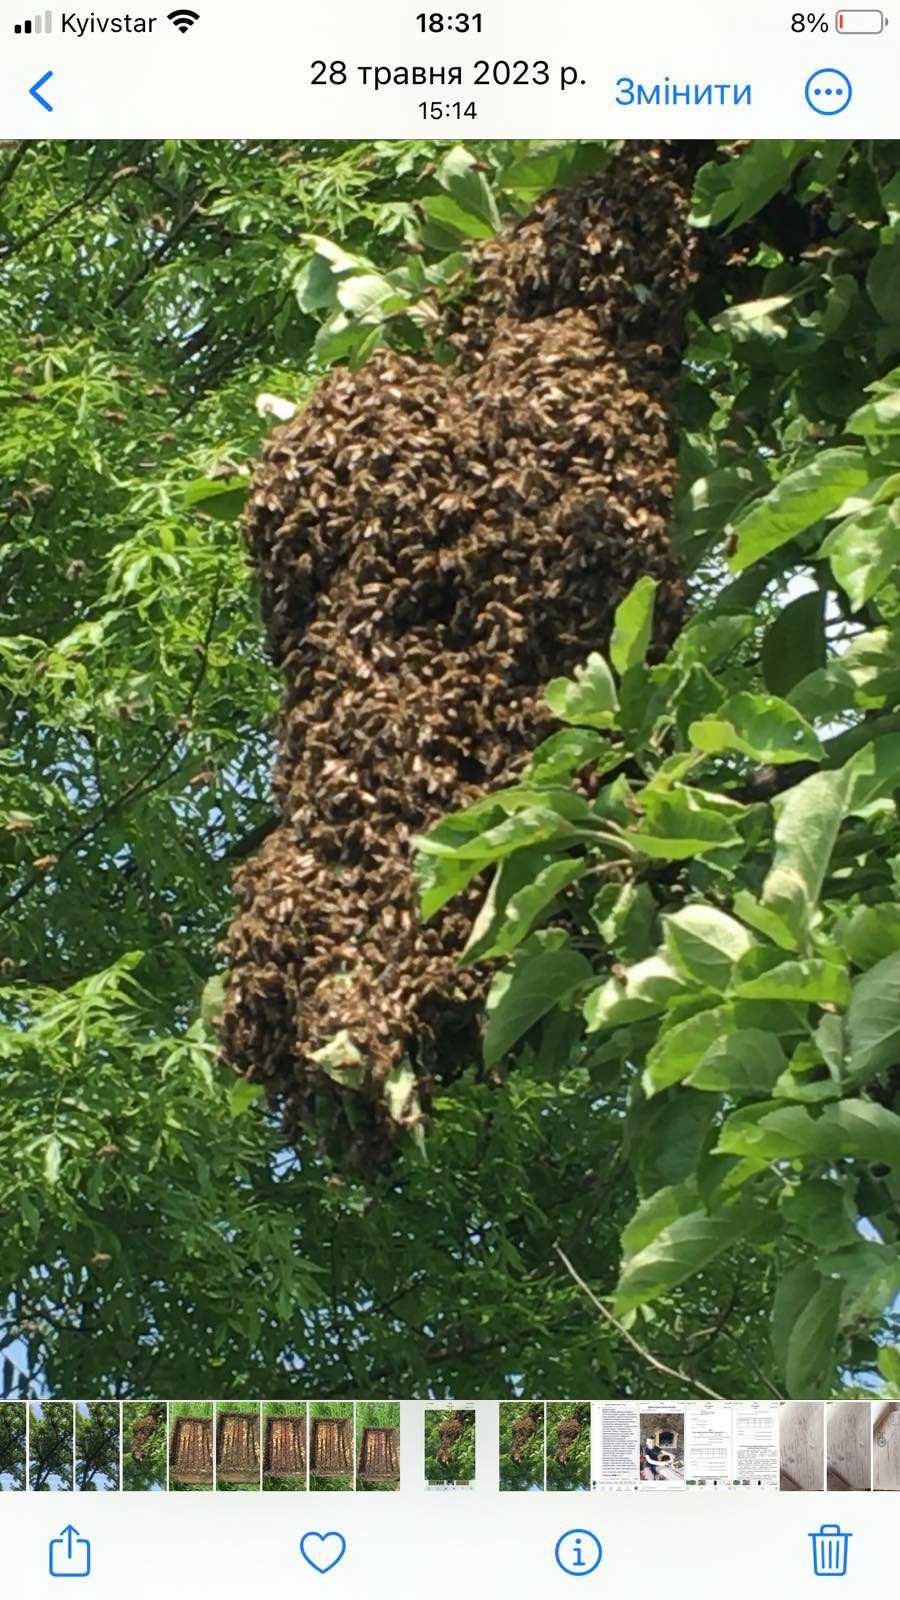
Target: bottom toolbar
<point>442,1546</point>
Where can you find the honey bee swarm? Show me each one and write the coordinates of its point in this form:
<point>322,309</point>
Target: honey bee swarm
<point>433,543</point>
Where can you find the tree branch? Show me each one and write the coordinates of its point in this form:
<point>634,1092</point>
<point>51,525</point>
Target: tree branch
<point>92,192</point>
<point>645,1355</point>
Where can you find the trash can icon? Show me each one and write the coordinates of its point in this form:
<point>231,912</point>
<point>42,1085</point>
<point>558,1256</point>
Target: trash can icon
<point>829,1547</point>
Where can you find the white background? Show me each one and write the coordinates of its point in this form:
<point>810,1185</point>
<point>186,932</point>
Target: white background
<point>244,70</point>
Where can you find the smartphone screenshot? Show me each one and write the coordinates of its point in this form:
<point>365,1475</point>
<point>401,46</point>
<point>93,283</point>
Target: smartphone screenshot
<point>449,776</point>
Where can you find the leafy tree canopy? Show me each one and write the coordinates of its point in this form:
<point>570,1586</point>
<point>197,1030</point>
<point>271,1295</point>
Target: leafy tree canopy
<point>50,1446</point>
<point>97,1443</point>
<point>12,1445</point>
<point>695,1020</point>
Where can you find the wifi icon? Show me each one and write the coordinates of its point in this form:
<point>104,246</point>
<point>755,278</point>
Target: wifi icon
<point>184,19</point>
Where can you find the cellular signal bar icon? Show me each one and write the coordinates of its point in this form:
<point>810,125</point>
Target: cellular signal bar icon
<point>42,23</point>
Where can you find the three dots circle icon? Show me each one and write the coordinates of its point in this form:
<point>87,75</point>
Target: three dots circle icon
<point>828,91</point>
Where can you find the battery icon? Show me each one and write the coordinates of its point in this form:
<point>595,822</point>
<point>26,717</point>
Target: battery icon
<point>860,21</point>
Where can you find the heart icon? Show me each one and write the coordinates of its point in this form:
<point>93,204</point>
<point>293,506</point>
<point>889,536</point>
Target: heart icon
<point>323,1550</point>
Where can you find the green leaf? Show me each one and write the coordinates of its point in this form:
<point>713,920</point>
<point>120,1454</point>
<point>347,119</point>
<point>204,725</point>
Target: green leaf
<point>647,988</point>
<point>755,319</point>
<point>795,644</point>
<point>744,1065</point>
<point>445,210</point>
<point>812,982</point>
<point>797,1084</point>
<point>315,285</point>
<point>883,281</point>
<point>733,191</point>
<point>522,891</point>
<point>680,1250</point>
<point>864,675</point>
<point>667,1135</point>
<point>460,174</point>
<point>589,698</point>
<point>401,1096</point>
<point>338,338</point>
<point>810,1347</point>
<point>341,1060</point>
<point>530,826</point>
<point>801,498</point>
<point>682,1046</point>
<point>220,497</point>
<point>795,1289</point>
<point>864,551</point>
<point>242,1096</point>
<point>337,260</point>
<point>852,1128</point>
<point>654,1214</point>
<point>765,921</point>
<point>533,175</point>
<point>212,1000</point>
<point>440,879</point>
<point>626,918</point>
<point>871,1276</point>
<point>367,296</point>
<point>889,1367</point>
<point>710,640</point>
<point>52,1161</point>
<point>535,987</point>
<point>808,821</point>
<point>873,1020</point>
<point>704,943</point>
<point>568,751</point>
<point>873,773</point>
<point>881,415</point>
<point>678,824</point>
<point>633,626</point>
<point>841,299</point>
<point>817,1209</point>
<point>761,726</point>
<point>871,933</point>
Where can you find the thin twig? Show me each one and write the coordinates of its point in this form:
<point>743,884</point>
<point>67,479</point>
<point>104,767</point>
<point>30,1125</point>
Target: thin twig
<point>645,1355</point>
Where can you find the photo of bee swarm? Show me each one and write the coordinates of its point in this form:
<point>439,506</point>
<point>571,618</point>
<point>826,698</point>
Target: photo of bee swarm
<point>433,544</point>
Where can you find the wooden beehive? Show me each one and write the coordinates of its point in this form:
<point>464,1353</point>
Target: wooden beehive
<point>190,1453</point>
<point>285,1451</point>
<point>379,1455</point>
<point>331,1454</point>
<point>237,1447</point>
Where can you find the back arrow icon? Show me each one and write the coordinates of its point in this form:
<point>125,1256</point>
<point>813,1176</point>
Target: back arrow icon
<point>34,91</point>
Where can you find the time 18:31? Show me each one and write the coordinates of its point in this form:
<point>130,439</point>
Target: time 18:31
<point>452,22</point>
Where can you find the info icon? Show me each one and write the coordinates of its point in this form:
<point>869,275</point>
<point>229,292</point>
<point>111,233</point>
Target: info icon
<point>578,1552</point>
